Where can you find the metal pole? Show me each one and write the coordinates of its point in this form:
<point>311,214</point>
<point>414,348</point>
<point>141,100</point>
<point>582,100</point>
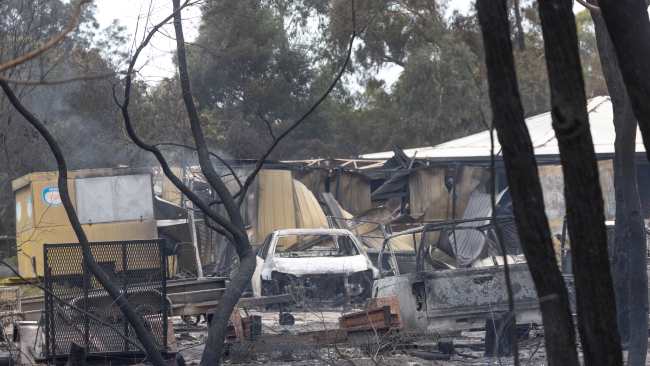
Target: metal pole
<point>191,222</point>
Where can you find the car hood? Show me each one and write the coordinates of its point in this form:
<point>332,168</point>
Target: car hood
<point>317,265</point>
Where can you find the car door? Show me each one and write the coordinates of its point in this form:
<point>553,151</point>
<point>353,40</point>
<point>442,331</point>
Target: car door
<point>262,253</point>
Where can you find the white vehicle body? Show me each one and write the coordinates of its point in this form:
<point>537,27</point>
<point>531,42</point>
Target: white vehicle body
<point>270,260</point>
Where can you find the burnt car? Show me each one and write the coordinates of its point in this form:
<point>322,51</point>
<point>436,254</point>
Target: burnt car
<point>319,265</point>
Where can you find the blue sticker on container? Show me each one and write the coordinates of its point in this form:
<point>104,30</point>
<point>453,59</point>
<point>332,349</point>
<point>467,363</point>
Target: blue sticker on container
<point>51,196</point>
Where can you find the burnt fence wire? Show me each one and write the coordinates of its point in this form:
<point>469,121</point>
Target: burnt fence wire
<point>137,267</point>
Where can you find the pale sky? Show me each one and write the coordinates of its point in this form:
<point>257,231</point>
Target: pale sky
<point>156,60</point>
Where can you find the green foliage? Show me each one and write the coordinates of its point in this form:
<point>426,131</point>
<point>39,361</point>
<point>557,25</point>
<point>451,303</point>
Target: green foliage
<point>245,73</point>
<point>253,66</point>
<point>260,64</point>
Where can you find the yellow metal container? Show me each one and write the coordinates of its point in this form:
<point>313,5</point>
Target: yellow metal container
<point>41,218</point>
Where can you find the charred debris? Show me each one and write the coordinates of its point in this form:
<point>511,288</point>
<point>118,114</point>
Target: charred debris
<point>392,255</point>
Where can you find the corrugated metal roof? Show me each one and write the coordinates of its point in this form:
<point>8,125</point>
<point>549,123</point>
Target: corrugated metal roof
<point>541,132</point>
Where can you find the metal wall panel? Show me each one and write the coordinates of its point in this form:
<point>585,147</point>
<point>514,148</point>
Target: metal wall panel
<point>477,290</point>
<point>117,198</point>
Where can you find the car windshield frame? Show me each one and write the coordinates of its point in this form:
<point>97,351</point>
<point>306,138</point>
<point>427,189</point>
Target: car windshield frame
<point>310,248</point>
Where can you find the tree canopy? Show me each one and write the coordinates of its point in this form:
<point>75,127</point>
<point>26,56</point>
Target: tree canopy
<point>416,79</point>
<point>257,64</point>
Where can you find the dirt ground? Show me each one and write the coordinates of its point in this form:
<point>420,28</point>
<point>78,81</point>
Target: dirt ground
<point>375,350</point>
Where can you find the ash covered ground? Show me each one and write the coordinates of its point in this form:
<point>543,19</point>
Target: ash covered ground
<point>368,349</point>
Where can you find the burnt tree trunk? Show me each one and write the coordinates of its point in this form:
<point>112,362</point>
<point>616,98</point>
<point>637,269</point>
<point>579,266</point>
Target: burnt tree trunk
<point>524,184</point>
<point>629,252</point>
<point>232,225</point>
<point>77,355</point>
<point>629,29</point>
<point>241,278</point>
<point>596,306</point>
<point>520,36</point>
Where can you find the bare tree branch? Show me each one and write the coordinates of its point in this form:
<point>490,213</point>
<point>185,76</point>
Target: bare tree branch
<point>217,331</point>
<point>233,228</point>
<point>268,125</point>
<point>589,6</point>
<point>195,124</point>
<point>219,230</point>
<point>124,107</point>
<point>221,160</point>
<point>44,82</point>
<point>72,24</point>
<point>235,234</point>
<point>276,141</point>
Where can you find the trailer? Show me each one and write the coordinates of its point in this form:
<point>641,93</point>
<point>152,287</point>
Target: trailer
<point>112,205</point>
<point>439,297</point>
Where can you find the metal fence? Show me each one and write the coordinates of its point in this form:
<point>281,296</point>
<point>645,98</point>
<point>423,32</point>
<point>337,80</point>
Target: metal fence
<point>10,312</point>
<point>78,309</point>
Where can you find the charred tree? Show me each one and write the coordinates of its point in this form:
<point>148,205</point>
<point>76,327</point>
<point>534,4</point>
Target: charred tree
<point>524,184</point>
<point>629,29</point>
<point>132,317</point>
<point>629,251</point>
<point>596,306</point>
<point>230,225</point>
<point>520,36</point>
<point>240,279</point>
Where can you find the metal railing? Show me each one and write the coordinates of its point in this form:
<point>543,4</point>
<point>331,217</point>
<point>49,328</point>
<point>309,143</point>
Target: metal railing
<point>138,268</point>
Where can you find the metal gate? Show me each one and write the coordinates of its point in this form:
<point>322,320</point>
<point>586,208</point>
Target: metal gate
<point>78,309</point>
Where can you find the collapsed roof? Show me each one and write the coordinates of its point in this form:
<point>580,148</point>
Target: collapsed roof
<point>541,132</point>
